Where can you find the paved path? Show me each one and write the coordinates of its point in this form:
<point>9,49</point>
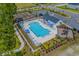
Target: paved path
<point>21,40</point>
<point>26,40</point>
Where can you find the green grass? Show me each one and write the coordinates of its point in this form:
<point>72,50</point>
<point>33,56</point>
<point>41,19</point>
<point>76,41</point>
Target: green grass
<point>37,53</point>
<point>24,5</point>
<point>17,42</point>
<point>29,5</point>
<point>68,9</point>
<point>57,12</point>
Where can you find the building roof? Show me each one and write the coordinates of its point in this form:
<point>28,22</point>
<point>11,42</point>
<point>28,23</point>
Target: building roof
<point>71,22</point>
<point>51,18</point>
<point>74,3</point>
<point>18,20</point>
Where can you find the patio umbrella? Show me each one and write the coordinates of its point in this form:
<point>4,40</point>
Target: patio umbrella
<point>50,23</point>
<point>27,31</point>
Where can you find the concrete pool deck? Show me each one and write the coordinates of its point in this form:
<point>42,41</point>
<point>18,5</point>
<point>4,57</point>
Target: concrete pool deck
<point>40,40</point>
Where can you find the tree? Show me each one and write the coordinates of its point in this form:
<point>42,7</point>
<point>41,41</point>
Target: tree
<point>7,34</point>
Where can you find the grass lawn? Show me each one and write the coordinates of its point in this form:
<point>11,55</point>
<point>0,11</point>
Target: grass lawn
<point>68,9</point>
<point>17,45</point>
<point>28,5</point>
<point>24,5</point>
<point>17,42</point>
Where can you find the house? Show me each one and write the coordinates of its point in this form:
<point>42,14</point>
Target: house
<point>17,20</point>
<point>73,23</point>
<point>73,5</point>
<point>50,18</point>
<point>60,26</point>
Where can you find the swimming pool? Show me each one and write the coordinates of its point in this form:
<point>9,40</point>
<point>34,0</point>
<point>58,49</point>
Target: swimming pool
<point>38,30</point>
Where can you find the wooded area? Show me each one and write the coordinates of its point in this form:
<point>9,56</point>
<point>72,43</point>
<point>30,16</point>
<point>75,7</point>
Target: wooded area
<point>7,33</point>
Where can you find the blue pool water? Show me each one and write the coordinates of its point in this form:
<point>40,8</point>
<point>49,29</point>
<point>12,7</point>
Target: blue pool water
<point>38,30</point>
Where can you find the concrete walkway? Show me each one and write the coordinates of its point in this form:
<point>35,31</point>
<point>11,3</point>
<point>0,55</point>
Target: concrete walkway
<point>26,40</point>
<point>21,40</point>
